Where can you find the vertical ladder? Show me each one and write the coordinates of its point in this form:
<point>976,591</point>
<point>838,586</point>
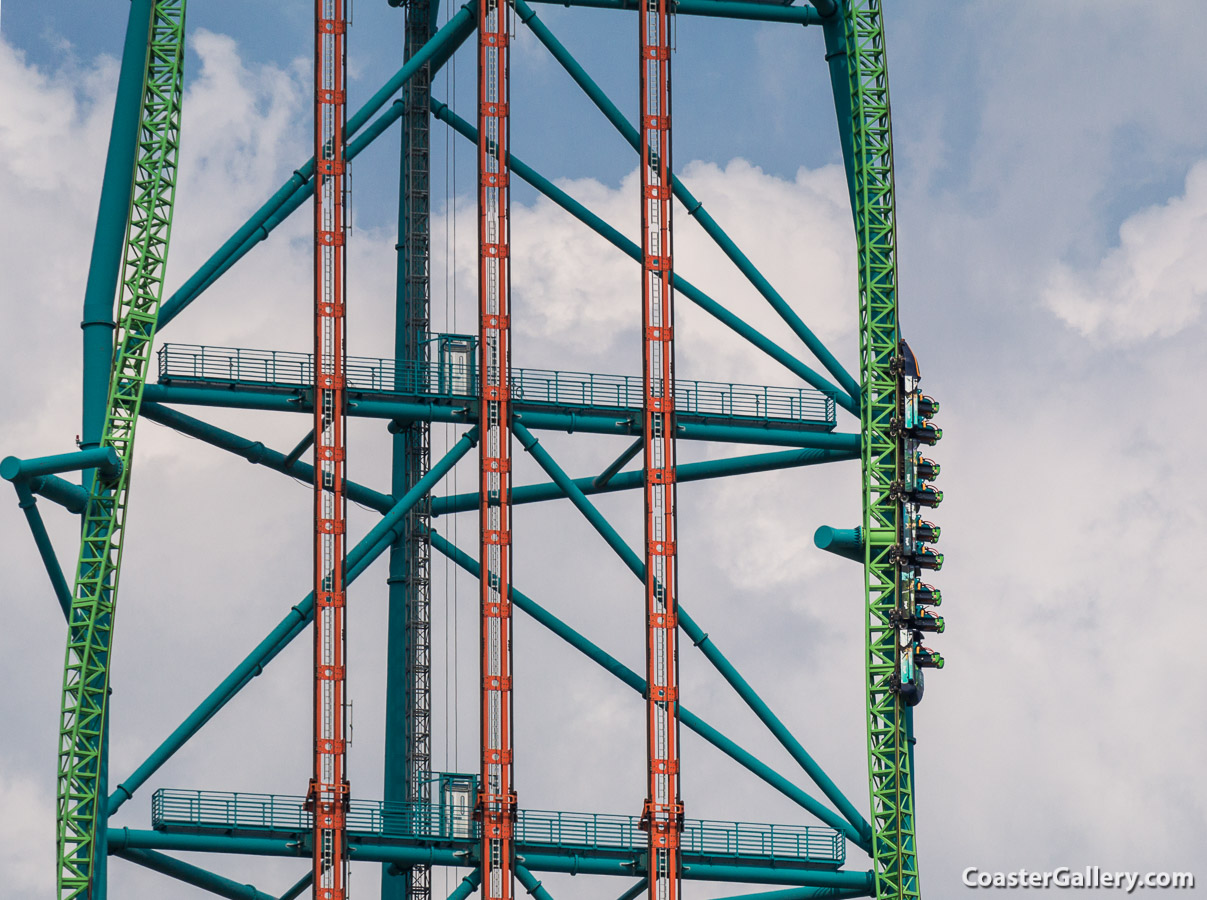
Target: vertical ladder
<point>327,797</point>
<point>662,816</point>
<point>496,797</point>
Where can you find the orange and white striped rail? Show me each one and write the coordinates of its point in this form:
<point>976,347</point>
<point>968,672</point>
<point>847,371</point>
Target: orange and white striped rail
<point>496,792</point>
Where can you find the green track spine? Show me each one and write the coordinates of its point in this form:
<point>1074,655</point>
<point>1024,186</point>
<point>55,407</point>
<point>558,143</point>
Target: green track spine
<point>90,626</point>
<point>894,852</point>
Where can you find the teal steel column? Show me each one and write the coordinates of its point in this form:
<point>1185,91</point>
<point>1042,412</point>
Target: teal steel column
<point>468,885</point>
<point>110,235</point>
<point>407,776</point>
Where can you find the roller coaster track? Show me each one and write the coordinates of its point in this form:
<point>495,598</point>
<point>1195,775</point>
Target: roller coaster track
<point>90,626</point>
<point>894,850</point>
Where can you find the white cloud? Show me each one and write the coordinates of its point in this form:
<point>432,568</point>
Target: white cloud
<point>1153,284</point>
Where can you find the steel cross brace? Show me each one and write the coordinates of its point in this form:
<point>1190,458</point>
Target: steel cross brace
<point>697,635</point>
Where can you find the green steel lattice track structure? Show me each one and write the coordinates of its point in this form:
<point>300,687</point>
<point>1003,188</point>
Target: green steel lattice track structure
<point>433,379</point>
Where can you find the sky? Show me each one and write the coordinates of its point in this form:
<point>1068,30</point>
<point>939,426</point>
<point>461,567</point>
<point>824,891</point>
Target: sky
<point>1051,164</point>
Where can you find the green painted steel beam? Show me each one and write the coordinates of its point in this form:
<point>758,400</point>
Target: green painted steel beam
<point>83,720</point>
<point>698,637</point>
<point>638,684</point>
<point>590,421</point>
<point>294,192</point>
<point>58,581</point>
<point>725,9</point>
<point>359,558</point>
<point>584,863</point>
<point>104,459</point>
<point>256,453</point>
<point>694,207</point>
<point>890,776</point>
<point>192,875</point>
<point>690,291</point>
<point>105,265</point>
<point>531,884</point>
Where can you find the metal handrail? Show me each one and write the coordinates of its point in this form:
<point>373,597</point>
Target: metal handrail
<point>533,386</point>
<point>219,809</point>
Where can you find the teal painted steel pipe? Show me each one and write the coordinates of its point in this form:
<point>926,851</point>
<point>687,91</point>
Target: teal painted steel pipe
<point>698,471</point>
<point>590,421</point>
<point>698,637</point>
<point>602,479</point>
<point>806,893</point>
<point>756,703</point>
<point>637,683</point>
<point>359,558</point>
<point>255,229</point>
<point>194,875</point>
<point>29,506</point>
<point>592,515</point>
<point>726,9</point>
<point>255,452</point>
<point>109,239</point>
<point>694,207</point>
<point>531,884</point>
<point>844,542</point>
<point>299,887</point>
<point>104,459</point>
<point>602,228</point>
<point>70,496</point>
<point>635,891</point>
<point>468,885</point>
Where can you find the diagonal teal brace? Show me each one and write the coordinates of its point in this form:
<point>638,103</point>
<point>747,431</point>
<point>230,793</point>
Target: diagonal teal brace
<point>637,683</point>
<point>693,206</point>
<point>635,891</point>
<point>191,874</point>
<point>256,453</point>
<point>686,288</point>
<point>299,887</point>
<point>29,505</point>
<point>531,884</point>
<point>698,637</point>
<point>468,885</point>
<point>359,558</point>
<point>625,481</point>
<point>300,184</point>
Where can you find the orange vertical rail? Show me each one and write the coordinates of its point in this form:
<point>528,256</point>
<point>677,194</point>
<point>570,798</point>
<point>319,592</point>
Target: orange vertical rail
<point>327,798</point>
<point>662,816</point>
<point>496,794</point>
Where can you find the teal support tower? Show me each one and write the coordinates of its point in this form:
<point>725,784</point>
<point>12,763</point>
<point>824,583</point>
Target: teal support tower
<point>842,842</point>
